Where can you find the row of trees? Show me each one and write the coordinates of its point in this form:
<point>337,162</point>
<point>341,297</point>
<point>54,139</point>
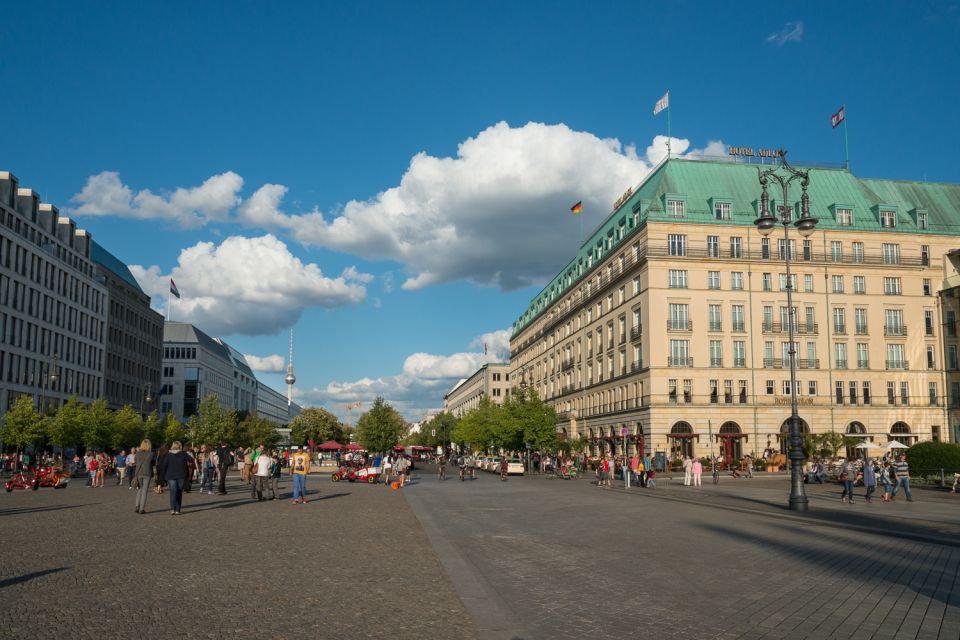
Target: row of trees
<point>95,426</point>
<point>522,418</point>
<point>379,429</point>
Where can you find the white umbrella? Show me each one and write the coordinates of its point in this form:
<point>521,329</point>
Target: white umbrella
<point>893,444</point>
<point>865,445</point>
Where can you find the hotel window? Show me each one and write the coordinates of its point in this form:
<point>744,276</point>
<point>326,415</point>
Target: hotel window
<point>767,317</point>
<point>636,285</point>
<point>678,353</point>
<point>742,391</point>
<point>839,320</point>
<point>863,355</point>
<point>716,353</point>
<point>782,246</point>
<point>891,286</point>
<point>859,284</point>
<point>808,250</point>
<point>768,353</point>
<point>836,251</point>
<point>927,289</point>
<point>679,316</point>
<point>932,392</point>
<point>738,317</point>
<point>895,356</point>
<point>840,351</point>
<point>771,388</point>
<point>837,283</point>
<point>921,219</point>
<point>888,219</point>
<point>675,208</point>
<point>783,281</point>
<point>812,388</point>
<point>891,393</point>
<point>785,352</point>
<point>678,278</point>
<point>811,355</point>
<point>857,251</point>
<point>638,356</point>
<point>853,392</point>
<point>808,283</point>
<point>736,280</point>
<point>894,318</point>
<point>845,217</point>
<point>636,320</point>
<point>904,393</point>
<point>952,356</point>
<point>860,317</point>
<point>866,393</point>
<point>925,255</point>
<point>713,279</point>
<point>928,322</point>
<point>767,280</point>
<point>891,253</point>
<point>713,318</point>
<point>839,390</point>
<point>728,391</point>
<point>721,210</point>
<point>736,247</point>
<point>739,353</point>
<point>786,387</point>
<point>609,301</point>
<point>931,358</point>
<point>677,244</point>
<point>765,248</point>
<point>672,389</point>
<point>714,390</point>
<point>713,246</point>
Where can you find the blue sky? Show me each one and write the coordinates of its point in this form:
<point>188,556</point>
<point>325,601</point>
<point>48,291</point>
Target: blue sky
<point>393,179</point>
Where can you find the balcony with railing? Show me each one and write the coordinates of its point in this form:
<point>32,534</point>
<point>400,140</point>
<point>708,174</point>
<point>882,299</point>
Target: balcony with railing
<point>898,364</point>
<point>799,328</point>
<point>716,362</point>
<point>679,362</point>
<point>567,364</point>
<point>895,330</point>
<point>636,332</point>
<point>861,330</point>
<point>738,327</point>
<point>780,363</point>
<point>715,325</point>
<point>840,329</point>
<point>679,325</point>
<point>740,363</point>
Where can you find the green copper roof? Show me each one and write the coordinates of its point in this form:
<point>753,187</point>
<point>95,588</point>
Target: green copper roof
<point>699,183</point>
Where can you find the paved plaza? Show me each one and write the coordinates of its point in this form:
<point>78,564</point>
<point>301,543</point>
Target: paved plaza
<point>527,558</point>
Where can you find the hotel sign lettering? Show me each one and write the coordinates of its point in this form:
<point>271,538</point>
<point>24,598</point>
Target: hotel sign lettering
<point>623,198</point>
<point>750,152</point>
<point>786,400</point>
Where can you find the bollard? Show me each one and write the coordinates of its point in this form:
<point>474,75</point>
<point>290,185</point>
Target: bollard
<point>943,480</point>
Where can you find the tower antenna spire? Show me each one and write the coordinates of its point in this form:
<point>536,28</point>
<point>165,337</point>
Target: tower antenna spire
<point>290,379</point>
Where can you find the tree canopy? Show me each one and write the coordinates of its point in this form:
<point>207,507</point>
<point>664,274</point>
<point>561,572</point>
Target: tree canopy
<point>380,428</point>
<point>522,418</point>
<point>318,425</point>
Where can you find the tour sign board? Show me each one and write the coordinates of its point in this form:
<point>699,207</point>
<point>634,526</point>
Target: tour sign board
<point>750,152</point>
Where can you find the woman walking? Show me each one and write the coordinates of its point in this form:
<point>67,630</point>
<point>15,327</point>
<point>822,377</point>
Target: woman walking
<point>175,469</point>
<point>208,467</point>
<point>697,469</point>
<point>848,474</point>
<point>143,475</point>
<point>886,479</point>
<point>869,478</point>
<point>162,453</point>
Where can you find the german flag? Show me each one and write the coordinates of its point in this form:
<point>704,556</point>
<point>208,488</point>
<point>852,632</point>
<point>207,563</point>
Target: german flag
<point>577,208</point>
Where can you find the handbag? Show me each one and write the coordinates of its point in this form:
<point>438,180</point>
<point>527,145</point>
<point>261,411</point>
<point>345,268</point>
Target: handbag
<point>843,477</point>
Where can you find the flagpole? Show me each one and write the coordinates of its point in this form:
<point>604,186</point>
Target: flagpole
<point>168,304</point>
<point>668,126</point>
<point>580,220</point>
<point>846,143</point>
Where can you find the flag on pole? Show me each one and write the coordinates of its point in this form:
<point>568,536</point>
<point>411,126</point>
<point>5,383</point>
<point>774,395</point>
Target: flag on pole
<point>173,289</point>
<point>662,103</point>
<point>577,208</point>
<point>838,117</point>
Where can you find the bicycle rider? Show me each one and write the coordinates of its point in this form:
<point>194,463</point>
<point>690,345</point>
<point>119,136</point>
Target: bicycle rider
<point>503,469</point>
<point>462,463</point>
<point>441,468</point>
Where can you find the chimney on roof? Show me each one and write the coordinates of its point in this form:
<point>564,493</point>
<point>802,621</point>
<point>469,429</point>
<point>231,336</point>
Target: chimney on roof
<point>8,188</point>
<point>65,231</point>
<point>27,203</point>
<point>81,242</point>
<point>47,217</point>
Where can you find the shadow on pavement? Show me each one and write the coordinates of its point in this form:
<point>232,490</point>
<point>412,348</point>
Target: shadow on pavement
<point>15,511</point>
<point>9,582</point>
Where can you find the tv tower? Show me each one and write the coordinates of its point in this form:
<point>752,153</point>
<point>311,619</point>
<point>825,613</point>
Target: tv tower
<point>290,379</point>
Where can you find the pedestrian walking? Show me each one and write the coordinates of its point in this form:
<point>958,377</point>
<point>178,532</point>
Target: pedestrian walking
<point>275,469</point>
<point>261,472</point>
<point>748,461</point>
<point>869,479</point>
<point>131,465</point>
<point>886,479</point>
<point>121,466</point>
<point>209,469</point>
<point>387,469</point>
<point>848,474</point>
<point>299,468</point>
<point>159,481</point>
<point>903,478</point>
<point>143,473</point>
<point>224,459</point>
<point>175,470</point>
<point>696,468</point>
<point>687,470</point>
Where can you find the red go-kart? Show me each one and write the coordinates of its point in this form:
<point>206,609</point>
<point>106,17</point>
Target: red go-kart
<point>51,477</point>
<point>354,474</point>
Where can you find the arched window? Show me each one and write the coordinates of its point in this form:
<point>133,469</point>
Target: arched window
<point>900,428</point>
<point>681,428</point>
<point>729,427</point>
<point>856,429</point>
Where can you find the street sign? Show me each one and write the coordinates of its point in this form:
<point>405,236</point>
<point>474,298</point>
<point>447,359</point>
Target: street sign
<point>433,432</point>
<point>529,446</point>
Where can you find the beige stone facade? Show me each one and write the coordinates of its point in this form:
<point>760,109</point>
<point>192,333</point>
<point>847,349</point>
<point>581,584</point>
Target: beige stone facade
<point>490,380</point>
<point>676,327</point>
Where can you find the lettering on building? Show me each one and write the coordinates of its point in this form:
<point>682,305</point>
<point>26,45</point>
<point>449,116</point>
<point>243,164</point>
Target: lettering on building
<point>623,198</point>
<point>750,152</point>
<point>786,400</point>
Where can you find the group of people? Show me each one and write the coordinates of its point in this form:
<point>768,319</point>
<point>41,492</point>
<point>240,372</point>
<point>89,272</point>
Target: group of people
<point>640,468</point>
<point>893,475</point>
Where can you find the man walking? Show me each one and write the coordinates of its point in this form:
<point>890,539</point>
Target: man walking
<point>261,470</point>
<point>687,470</point>
<point>223,465</point>
<point>299,468</point>
<point>903,477</point>
<point>121,462</point>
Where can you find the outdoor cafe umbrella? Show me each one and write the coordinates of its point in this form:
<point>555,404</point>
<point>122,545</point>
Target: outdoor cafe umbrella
<point>865,445</point>
<point>896,445</point>
<point>330,445</point>
<point>353,447</point>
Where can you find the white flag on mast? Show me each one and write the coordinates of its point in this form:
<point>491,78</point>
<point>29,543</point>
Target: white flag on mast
<point>662,103</point>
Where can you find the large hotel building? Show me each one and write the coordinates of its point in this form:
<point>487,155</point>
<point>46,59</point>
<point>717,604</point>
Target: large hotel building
<point>672,320</point>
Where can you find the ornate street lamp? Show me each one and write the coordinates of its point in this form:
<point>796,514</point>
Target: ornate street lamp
<point>147,396</point>
<point>805,226</point>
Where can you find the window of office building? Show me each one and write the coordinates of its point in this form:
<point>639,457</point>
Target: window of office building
<point>863,355</point>
<point>891,286</point>
<point>891,253</point>
<point>837,283</point>
<point>736,280</point>
<point>857,251</point>
<point>840,353</point>
<point>713,317</point>
<point>895,356</point>
<point>675,208</point>
<point>678,278</point>
<point>739,353</point>
<point>736,247</point>
<point>927,289</point>
<point>713,279</point>
<point>767,281</point>
<point>839,320</point>
<point>716,353</point>
<point>888,219</point>
<point>771,389</point>
<point>738,317</point>
<point>859,284</point>
<point>860,320</point>
<point>713,246</point>
<point>808,283</point>
<point>836,251</point>
<point>677,244</point>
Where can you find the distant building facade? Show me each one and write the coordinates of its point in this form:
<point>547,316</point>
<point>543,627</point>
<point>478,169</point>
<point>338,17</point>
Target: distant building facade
<point>134,337</point>
<point>53,311</point>
<point>491,380</point>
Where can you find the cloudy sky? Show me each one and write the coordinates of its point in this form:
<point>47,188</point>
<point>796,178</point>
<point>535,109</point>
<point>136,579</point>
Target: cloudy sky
<point>393,180</point>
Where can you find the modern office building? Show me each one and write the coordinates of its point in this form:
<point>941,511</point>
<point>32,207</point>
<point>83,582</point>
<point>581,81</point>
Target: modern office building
<point>53,311</point>
<point>491,380</point>
<point>134,344</point>
<point>672,320</point>
<point>272,405</point>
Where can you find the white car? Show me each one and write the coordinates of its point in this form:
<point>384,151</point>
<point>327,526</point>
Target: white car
<point>494,464</point>
<point>515,466</point>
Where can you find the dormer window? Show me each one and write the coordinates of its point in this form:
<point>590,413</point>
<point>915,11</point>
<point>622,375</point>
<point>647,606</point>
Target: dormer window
<point>921,220</point>
<point>845,217</point>
<point>888,219</point>
<point>676,209</point>
<point>721,210</point>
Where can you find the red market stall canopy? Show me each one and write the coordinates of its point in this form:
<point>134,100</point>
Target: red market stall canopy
<point>330,445</point>
<point>353,447</point>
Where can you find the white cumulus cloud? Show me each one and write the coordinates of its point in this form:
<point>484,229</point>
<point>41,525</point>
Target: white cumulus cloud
<point>249,286</point>
<point>266,364</point>
<point>791,32</point>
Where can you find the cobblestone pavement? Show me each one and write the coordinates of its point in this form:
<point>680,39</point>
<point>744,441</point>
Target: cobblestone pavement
<point>536,558</point>
<point>353,563</point>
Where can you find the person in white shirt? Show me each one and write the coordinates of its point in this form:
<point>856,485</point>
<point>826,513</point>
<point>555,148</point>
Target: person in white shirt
<point>261,471</point>
<point>687,470</point>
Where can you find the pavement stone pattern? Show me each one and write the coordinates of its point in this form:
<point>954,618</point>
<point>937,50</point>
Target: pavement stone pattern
<point>352,563</point>
<point>566,559</point>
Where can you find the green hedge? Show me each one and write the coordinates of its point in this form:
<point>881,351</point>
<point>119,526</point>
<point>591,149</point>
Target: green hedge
<point>929,456</point>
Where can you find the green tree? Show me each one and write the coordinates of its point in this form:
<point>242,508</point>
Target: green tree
<point>256,430</point>
<point>437,431</point>
<point>380,428</point>
<point>535,421</point>
<point>317,424</point>
<point>98,425</point>
<point>128,428</point>
<point>66,430</point>
<point>480,426</point>
<point>153,428</point>
<point>22,424</point>
<point>173,430</point>
<point>212,425</point>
